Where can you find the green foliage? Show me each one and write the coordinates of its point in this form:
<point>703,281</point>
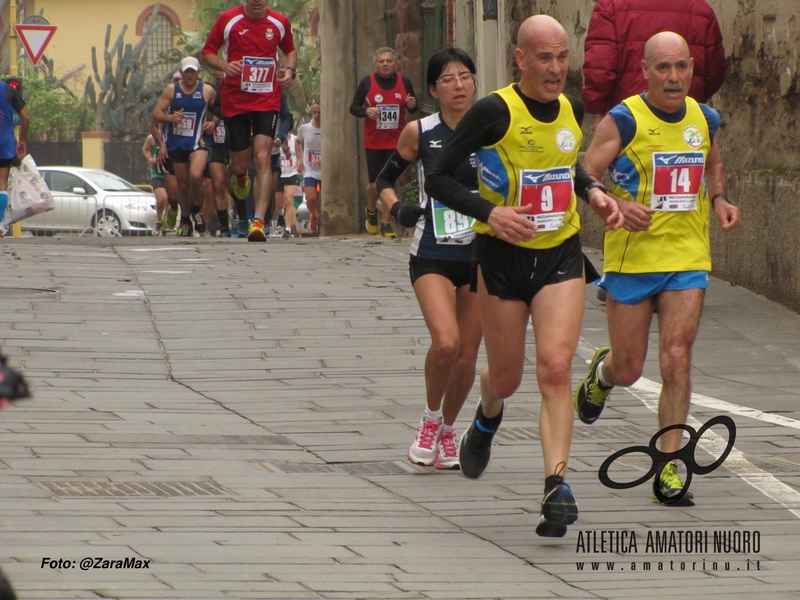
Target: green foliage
<point>57,115</point>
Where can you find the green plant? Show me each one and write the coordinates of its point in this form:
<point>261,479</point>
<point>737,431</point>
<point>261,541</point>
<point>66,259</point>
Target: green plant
<point>120,97</point>
<point>57,115</point>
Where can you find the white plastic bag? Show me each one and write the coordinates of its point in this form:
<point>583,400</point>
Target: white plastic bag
<point>28,194</point>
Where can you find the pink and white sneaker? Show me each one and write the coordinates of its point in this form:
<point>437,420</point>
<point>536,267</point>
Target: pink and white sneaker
<point>423,450</point>
<point>447,451</point>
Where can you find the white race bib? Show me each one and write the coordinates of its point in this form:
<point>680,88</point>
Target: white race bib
<point>389,117</point>
<point>258,75</point>
<point>186,127</point>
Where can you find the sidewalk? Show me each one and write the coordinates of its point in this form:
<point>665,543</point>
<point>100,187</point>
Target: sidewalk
<point>238,415</point>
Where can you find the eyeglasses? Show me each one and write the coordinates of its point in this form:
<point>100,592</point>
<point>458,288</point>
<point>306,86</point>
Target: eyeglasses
<point>449,80</point>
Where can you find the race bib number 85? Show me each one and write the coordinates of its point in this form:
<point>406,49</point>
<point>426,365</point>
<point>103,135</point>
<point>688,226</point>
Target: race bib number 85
<point>549,193</point>
<point>676,180</point>
<point>258,75</point>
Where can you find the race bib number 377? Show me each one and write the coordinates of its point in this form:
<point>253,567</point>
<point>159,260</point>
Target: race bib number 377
<point>549,193</point>
<point>676,180</point>
<point>258,75</point>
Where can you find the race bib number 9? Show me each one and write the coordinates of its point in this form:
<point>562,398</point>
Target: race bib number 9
<point>186,127</point>
<point>676,180</point>
<point>389,117</point>
<point>548,193</point>
<point>258,75</point>
<point>451,227</point>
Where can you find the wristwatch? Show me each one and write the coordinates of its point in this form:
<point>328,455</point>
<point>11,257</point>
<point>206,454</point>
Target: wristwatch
<point>294,71</point>
<point>594,184</point>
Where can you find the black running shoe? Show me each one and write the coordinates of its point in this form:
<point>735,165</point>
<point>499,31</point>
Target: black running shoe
<point>476,446</point>
<point>559,506</point>
<point>545,528</point>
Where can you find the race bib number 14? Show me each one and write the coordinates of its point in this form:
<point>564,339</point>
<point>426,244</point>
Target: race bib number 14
<point>676,180</point>
<point>549,193</point>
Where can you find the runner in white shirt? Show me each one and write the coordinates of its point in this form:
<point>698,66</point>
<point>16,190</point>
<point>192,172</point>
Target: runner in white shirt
<point>309,142</point>
<point>287,185</point>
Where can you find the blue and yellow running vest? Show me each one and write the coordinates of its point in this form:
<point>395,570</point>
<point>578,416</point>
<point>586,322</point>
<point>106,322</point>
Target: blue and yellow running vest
<point>534,163</point>
<point>663,167</point>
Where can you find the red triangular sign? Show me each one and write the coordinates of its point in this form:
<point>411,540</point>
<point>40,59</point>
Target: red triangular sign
<point>34,39</point>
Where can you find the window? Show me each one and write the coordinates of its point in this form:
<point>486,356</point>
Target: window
<point>160,40</point>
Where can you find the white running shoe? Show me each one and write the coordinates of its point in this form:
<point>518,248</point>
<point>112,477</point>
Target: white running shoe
<point>447,451</point>
<point>423,450</point>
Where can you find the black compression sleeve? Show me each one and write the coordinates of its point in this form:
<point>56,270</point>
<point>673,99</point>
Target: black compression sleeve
<point>357,108</point>
<point>391,171</point>
<point>410,91</point>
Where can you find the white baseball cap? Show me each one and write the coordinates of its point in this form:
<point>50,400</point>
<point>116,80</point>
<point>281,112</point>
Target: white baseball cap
<point>190,62</point>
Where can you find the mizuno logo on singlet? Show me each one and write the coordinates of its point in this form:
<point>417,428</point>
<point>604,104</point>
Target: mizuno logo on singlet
<point>677,159</point>
<point>526,130</point>
<point>545,177</point>
<point>653,131</point>
<point>436,144</point>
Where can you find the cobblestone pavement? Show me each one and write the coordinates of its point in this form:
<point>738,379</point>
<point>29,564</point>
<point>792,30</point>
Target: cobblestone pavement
<point>235,418</point>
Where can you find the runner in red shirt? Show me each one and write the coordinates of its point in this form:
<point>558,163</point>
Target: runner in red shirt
<point>381,100</point>
<point>249,38</point>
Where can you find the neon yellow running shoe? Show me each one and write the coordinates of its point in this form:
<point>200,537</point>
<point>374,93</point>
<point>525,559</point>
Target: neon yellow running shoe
<point>240,192</point>
<point>670,486</point>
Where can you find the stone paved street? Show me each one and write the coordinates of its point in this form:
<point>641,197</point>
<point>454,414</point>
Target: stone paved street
<point>238,415</point>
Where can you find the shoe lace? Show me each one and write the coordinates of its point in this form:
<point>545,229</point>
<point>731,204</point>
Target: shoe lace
<point>447,443</point>
<point>426,433</point>
<point>595,393</point>
<point>670,478</point>
<point>258,224</point>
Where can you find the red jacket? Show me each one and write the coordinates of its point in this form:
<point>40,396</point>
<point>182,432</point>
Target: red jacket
<point>614,48</point>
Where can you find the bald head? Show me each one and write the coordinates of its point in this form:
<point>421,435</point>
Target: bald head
<point>542,56</point>
<point>667,67</point>
<point>540,28</point>
<point>665,42</point>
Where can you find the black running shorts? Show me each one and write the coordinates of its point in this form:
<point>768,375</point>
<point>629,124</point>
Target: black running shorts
<point>514,273</point>
<point>457,271</point>
<point>241,129</point>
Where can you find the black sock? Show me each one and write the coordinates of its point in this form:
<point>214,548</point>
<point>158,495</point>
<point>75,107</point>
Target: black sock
<point>222,215</point>
<point>281,220</point>
<point>241,209</point>
<point>184,220</point>
<point>195,209</point>
<point>489,424</point>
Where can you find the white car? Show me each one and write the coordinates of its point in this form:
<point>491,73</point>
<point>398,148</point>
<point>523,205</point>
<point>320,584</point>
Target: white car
<point>91,200</point>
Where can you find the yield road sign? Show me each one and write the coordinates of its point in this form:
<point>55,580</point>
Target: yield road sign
<point>34,39</point>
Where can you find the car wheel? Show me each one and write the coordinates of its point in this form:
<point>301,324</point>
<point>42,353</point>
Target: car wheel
<point>106,224</point>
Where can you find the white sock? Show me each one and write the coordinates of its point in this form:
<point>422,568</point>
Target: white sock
<point>449,428</point>
<point>603,382</point>
<point>433,415</point>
